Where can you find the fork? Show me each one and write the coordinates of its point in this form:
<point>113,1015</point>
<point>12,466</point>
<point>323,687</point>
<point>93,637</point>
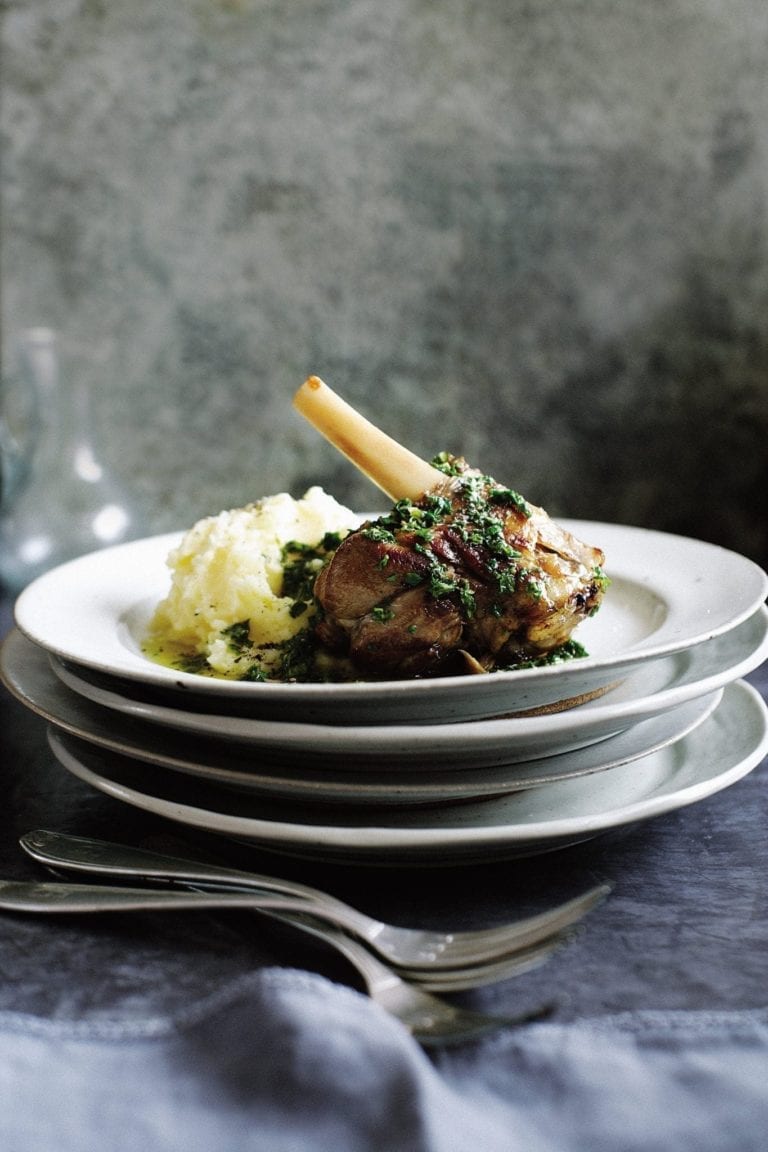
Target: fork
<point>429,1019</point>
<point>57,898</point>
<point>408,948</point>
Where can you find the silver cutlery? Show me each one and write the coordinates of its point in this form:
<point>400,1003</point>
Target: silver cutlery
<point>57,897</point>
<point>429,1019</point>
<point>407,948</point>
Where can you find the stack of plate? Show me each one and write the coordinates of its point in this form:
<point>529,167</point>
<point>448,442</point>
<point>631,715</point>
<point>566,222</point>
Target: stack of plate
<point>441,771</point>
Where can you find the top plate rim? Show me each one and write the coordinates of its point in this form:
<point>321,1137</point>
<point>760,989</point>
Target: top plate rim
<point>79,612</point>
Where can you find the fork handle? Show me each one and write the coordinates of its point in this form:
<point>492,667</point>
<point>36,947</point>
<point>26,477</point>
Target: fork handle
<point>84,854</point>
<point>60,897</point>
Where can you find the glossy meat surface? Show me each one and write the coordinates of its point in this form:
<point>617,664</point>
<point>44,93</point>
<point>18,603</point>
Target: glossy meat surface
<point>468,578</point>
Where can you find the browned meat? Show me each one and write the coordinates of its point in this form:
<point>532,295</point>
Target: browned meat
<point>468,577</point>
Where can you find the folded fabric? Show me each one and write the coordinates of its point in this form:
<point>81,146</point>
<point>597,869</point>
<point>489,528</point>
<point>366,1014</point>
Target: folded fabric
<point>287,1061</point>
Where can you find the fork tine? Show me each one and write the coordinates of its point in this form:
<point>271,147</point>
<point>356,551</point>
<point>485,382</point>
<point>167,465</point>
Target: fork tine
<point>491,971</point>
<point>520,934</point>
<point>430,1020</point>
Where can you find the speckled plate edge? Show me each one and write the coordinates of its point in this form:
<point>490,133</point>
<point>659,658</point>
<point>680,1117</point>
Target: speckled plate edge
<point>647,691</point>
<point>669,592</point>
<point>718,753</point>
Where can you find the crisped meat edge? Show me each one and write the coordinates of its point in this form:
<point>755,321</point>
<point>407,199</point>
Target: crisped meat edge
<point>470,576</point>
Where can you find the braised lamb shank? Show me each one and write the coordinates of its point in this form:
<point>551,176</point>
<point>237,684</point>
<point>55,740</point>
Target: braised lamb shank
<point>462,575</point>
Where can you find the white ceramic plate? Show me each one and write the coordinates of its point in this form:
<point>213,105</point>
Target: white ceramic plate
<point>715,755</point>
<point>25,671</point>
<point>651,690</point>
<point>410,788</point>
<point>667,594</point>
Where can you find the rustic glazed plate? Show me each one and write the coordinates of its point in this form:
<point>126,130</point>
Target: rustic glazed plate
<point>668,593</point>
<point>715,755</point>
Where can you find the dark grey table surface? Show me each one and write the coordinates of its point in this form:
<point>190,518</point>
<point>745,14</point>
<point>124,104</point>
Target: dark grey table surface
<point>683,937</point>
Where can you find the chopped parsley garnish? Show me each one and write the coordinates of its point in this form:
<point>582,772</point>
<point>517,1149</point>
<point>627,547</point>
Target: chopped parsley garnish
<point>194,662</point>
<point>570,650</point>
<point>450,465</point>
<point>302,562</point>
<point>473,514</point>
<point>238,635</point>
<point>600,578</point>
<point>294,658</point>
<point>468,544</point>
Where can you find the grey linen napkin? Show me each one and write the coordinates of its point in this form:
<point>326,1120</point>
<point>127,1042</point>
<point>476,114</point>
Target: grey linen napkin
<point>287,1061</point>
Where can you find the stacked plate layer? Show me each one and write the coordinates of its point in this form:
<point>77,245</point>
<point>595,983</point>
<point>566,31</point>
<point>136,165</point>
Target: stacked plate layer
<point>656,717</point>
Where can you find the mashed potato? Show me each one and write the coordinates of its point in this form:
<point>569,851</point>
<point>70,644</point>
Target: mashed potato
<point>226,605</point>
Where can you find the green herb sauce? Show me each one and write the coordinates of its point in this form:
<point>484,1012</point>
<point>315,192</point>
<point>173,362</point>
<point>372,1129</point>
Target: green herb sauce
<point>472,521</point>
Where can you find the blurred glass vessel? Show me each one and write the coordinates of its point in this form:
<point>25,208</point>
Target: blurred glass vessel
<point>57,501</point>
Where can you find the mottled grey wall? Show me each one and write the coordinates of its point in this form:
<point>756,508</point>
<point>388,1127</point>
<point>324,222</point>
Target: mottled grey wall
<point>531,232</point>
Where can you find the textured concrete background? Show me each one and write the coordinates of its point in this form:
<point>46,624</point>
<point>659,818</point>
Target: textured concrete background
<point>534,233</point>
